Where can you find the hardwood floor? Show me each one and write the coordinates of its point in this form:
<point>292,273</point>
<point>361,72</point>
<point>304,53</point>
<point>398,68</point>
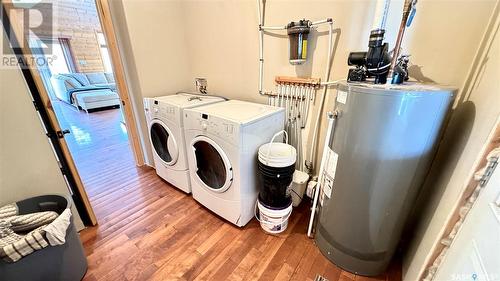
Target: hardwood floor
<point>149,230</point>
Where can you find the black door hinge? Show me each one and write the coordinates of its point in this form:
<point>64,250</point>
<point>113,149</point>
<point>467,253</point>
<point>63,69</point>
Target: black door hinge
<point>63,171</point>
<point>60,134</point>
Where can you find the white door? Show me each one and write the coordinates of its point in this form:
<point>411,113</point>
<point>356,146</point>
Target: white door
<point>475,252</point>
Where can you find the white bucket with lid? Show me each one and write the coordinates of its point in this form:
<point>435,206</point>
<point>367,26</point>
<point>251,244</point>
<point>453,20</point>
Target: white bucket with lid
<point>273,221</point>
<point>277,155</point>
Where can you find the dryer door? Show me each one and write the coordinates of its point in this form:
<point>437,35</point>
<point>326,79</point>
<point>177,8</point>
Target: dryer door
<point>213,169</point>
<point>163,141</point>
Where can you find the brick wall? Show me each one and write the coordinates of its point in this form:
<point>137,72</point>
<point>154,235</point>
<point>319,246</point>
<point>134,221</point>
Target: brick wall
<point>77,20</point>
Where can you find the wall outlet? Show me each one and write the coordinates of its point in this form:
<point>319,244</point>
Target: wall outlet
<point>201,85</point>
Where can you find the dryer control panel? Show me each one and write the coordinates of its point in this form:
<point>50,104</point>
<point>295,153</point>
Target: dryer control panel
<point>212,125</point>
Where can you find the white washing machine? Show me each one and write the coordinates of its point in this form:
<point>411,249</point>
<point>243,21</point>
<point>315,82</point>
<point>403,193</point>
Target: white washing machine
<point>165,122</point>
<point>222,141</point>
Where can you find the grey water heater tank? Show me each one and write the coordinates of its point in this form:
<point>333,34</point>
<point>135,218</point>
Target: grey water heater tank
<point>382,145</point>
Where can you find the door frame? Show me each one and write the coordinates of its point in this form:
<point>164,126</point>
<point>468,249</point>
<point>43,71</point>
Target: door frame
<point>104,13</point>
<point>455,215</point>
<point>13,21</point>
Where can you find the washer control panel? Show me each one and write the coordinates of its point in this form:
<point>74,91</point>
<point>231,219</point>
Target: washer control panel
<point>160,110</point>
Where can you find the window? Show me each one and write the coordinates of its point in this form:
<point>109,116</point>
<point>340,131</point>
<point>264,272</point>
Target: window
<point>108,67</point>
<point>58,60</point>
<point>63,60</point>
<point>68,54</point>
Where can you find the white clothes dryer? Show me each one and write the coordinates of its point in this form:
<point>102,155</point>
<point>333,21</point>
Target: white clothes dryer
<point>222,142</point>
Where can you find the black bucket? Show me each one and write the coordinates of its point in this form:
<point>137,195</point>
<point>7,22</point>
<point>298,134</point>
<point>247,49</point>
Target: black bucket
<point>276,163</point>
<point>275,185</point>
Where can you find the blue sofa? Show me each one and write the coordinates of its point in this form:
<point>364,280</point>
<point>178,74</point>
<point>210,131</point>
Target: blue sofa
<point>86,90</point>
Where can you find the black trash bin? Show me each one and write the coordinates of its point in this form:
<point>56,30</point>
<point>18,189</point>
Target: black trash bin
<point>65,262</point>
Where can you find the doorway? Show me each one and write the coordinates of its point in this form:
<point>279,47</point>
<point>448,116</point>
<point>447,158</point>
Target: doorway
<point>79,78</point>
<point>80,94</point>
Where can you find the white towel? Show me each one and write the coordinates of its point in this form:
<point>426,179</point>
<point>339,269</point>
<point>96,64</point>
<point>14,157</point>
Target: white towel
<point>8,211</point>
<point>56,231</point>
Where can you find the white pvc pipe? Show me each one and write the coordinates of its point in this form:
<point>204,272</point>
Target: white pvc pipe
<point>331,120</point>
<point>320,22</point>
<point>302,107</point>
<point>330,83</point>
<point>261,44</point>
<point>273,27</point>
<point>261,47</point>
<point>309,90</point>
<point>312,154</point>
<point>381,12</point>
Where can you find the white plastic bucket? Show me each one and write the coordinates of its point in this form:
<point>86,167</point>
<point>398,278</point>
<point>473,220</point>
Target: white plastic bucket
<point>277,155</point>
<point>273,221</point>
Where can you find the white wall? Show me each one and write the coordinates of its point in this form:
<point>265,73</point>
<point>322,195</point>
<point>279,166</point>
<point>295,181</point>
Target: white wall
<point>222,39</point>
<point>27,164</point>
<point>158,44</point>
<point>475,115</point>
<point>152,44</point>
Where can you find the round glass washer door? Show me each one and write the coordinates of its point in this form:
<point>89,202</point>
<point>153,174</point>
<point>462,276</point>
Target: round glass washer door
<point>163,141</point>
<point>213,169</point>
